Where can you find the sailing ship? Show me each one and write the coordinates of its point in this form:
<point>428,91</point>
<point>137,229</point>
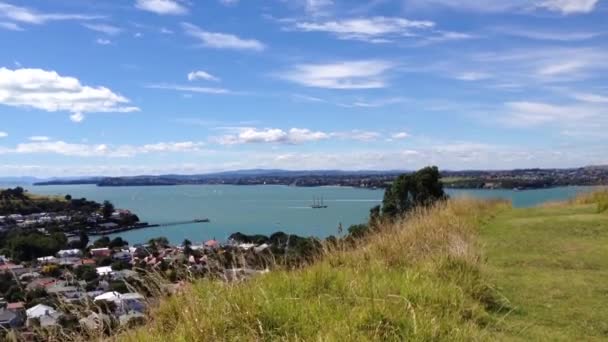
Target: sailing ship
<point>317,203</point>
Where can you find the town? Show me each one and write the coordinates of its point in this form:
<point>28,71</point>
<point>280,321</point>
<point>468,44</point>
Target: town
<point>52,277</point>
<point>477,179</point>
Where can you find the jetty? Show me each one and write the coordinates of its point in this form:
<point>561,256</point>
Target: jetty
<point>145,225</point>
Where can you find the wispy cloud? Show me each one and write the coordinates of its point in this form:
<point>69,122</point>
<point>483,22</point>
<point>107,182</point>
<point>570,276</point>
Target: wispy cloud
<point>49,91</point>
<point>104,28</point>
<point>201,75</point>
<point>568,6</point>
<point>219,40</point>
<point>59,147</point>
<point>190,89</point>
<point>162,7</point>
<point>248,135</point>
<point>10,26</point>
<point>30,16</point>
<point>374,29</point>
<point>559,35</point>
<point>362,74</point>
<point>3,134</point>
<point>103,41</point>
<point>562,6</point>
<point>39,138</point>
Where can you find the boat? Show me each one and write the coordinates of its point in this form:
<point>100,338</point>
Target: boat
<point>317,203</point>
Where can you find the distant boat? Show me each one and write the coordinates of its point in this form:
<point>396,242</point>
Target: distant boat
<point>317,203</point>
<point>201,220</point>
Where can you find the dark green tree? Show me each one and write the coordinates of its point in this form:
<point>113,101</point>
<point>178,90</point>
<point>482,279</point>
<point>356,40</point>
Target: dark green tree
<point>409,191</point>
<point>107,209</point>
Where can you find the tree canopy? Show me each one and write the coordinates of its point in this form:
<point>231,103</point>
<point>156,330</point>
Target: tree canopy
<point>409,191</point>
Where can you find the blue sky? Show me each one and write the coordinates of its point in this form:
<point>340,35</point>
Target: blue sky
<point>181,86</point>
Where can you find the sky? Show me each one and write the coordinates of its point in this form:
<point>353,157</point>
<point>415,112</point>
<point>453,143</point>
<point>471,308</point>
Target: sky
<point>100,87</point>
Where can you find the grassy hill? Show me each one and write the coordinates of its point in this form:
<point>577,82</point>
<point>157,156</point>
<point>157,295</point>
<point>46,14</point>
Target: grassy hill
<point>552,264</point>
<point>466,270</point>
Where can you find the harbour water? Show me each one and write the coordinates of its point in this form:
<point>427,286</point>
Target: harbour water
<point>259,209</point>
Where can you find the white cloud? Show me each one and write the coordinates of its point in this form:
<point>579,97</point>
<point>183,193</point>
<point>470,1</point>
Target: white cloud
<point>162,7</point>
<point>559,68</point>
<point>472,76</point>
<point>592,98</point>
<point>49,91</point>
<point>42,146</point>
<point>374,29</point>
<point>526,113</point>
<point>317,7</point>
<point>219,40</point>
<point>3,134</point>
<point>247,135</point>
<point>363,74</point>
<point>569,6</point>
<point>555,35</point>
<point>493,6</point>
<point>165,30</point>
<point>10,26</point>
<point>104,28</point>
<point>185,88</point>
<point>400,135</point>
<point>374,103</point>
<point>229,2</point>
<point>201,75</point>
<point>39,138</point>
<point>30,16</point>
<point>103,41</point>
<point>359,135</point>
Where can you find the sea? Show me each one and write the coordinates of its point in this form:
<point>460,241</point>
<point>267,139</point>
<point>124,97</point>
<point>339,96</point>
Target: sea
<point>261,209</point>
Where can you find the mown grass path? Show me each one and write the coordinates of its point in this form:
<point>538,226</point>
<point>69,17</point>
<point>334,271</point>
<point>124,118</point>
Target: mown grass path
<point>552,264</point>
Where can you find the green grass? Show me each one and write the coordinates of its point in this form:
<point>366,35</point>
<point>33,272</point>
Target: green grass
<point>465,271</point>
<point>417,280</point>
<point>552,264</point>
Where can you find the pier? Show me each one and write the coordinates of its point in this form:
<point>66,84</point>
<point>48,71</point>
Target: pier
<point>146,225</point>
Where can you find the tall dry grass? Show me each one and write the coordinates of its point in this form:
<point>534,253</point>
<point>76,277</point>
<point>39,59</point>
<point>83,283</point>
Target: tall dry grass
<point>419,278</point>
<point>598,197</point>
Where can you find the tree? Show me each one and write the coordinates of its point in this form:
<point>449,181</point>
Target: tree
<point>84,239</point>
<point>102,242</point>
<point>187,244</point>
<point>107,209</point>
<point>409,191</point>
<point>117,242</point>
<point>358,230</point>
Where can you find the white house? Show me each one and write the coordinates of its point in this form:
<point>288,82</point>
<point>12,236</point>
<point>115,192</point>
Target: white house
<point>39,310</point>
<point>105,270</point>
<point>66,253</point>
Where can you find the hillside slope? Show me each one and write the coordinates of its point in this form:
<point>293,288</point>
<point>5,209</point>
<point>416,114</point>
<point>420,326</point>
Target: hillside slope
<point>418,280</point>
<point>552,264</point>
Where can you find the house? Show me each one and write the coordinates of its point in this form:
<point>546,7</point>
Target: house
<point>40,283</point>
<point>46,315</point>
<point>69,253</point>
<point>212,244</point>
<point>125,303</point>
<point>104,270</point>
<point>122,255</point>
<point>89,262</point>
<point>101,252</point>
<point>10,317</point>
<point>48,260</point>
<point>108,296</point>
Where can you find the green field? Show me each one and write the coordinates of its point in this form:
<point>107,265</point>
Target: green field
<point>552,264</point>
